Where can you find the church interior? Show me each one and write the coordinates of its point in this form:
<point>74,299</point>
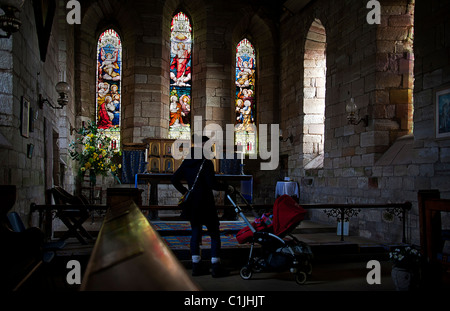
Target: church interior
<point>342,105</point>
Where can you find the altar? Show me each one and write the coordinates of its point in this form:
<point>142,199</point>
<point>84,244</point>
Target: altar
<point>154,179</point>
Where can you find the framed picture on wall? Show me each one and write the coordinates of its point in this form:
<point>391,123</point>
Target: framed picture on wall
<point>30,148</point>
<point>25,117</point>
<point>442,103</point>
<point>32,113</point>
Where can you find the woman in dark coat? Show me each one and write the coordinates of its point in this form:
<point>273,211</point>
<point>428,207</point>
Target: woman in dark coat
<point>201,209</point>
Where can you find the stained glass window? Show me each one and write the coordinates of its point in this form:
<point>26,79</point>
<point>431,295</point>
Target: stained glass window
<point>109,77</point>
<point>245,104</point>
<point>180,77</point>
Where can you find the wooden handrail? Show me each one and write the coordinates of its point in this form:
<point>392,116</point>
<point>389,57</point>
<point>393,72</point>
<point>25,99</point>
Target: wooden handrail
<point>406,205</point>
<point>130,255</point>
<point>339,210</point>
<point>45,207</point>
<point>176,207</point>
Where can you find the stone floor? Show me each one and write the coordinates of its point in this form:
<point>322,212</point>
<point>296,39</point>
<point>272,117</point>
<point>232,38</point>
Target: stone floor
<point>339,271</point>
<point>338,265</point>
<point>330,276</point>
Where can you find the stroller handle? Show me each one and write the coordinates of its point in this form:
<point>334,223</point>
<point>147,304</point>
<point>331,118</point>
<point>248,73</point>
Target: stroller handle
<point>246,203</point>
<point>241,214</point>
<point>244,199</point>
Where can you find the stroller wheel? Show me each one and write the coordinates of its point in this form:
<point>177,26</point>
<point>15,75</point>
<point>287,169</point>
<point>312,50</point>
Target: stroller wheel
<point>246,273</point>
<point>258,265</point>
<point>300,278</point>
<point>308,268</point>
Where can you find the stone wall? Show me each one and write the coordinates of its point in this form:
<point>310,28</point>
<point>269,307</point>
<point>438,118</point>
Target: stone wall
<point>392,157</point>
<point>24,74</point>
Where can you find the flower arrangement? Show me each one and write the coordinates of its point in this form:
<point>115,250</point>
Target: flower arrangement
<point>405,257</point>
<point>96,155</point>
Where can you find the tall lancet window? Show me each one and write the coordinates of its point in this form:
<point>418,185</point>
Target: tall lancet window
<point>109,77</point>
<point>180,77</point>
<point>245,104</point>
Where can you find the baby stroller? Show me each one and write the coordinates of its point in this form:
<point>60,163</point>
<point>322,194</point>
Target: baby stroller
<point>276,253</point>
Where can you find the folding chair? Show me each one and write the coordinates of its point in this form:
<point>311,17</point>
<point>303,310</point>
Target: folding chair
<point>74,215</point>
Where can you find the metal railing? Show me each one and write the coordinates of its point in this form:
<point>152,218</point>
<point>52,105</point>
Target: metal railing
<point>343,212</point>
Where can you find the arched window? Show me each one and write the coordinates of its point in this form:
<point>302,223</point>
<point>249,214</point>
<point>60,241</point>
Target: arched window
<point>109,88</point>
<point>180,77</point>
<point>314,96</point>
<point>245,103</point>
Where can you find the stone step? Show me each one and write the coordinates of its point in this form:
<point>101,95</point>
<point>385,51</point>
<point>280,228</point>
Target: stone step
<point>309,227</point>
<point>323,240</point>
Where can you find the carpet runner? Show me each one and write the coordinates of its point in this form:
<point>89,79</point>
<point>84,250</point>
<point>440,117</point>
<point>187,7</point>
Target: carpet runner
<point>182,242</point>
<point>184,228</point>
<point>177,234</point>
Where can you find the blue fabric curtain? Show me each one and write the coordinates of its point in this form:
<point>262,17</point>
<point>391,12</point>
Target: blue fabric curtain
<point>247,190</point>
<point>133,162</point>
<point>230,166</point>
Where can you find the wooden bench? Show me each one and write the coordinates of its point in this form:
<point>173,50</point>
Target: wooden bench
<point>432,240</point>
<point>21,252</point>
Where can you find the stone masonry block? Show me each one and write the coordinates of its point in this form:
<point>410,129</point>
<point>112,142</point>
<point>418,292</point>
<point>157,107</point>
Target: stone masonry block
<point>401,20</point>
<point>6,81</point>
<point>374,138</point>
<point>6,104</point>
<point>426,155</point>
<point>400,96</point>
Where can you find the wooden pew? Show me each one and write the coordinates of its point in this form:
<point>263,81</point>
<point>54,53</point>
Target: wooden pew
<point>21,252</point>
<point>130,255</point>
<point>431,206</point>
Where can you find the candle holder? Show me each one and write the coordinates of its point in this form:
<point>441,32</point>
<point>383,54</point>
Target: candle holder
<point>352,116</point>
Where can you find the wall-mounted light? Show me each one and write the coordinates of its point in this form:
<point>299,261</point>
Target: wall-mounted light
<point>352,116</point>
<point>9,22</point>
<point>63,89</point>
<point>290,137</point>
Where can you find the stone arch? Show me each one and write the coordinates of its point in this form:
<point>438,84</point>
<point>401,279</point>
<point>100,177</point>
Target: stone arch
<point>314,89</point>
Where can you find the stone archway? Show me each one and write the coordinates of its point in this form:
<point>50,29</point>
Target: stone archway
<point>314,95</point>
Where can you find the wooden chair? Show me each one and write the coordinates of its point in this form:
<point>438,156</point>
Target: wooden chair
<point>74,215</point>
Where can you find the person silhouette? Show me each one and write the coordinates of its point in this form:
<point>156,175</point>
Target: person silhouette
<point>201,209</point>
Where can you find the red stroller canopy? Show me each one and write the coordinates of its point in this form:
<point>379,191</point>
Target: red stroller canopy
<point>286,213</point>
